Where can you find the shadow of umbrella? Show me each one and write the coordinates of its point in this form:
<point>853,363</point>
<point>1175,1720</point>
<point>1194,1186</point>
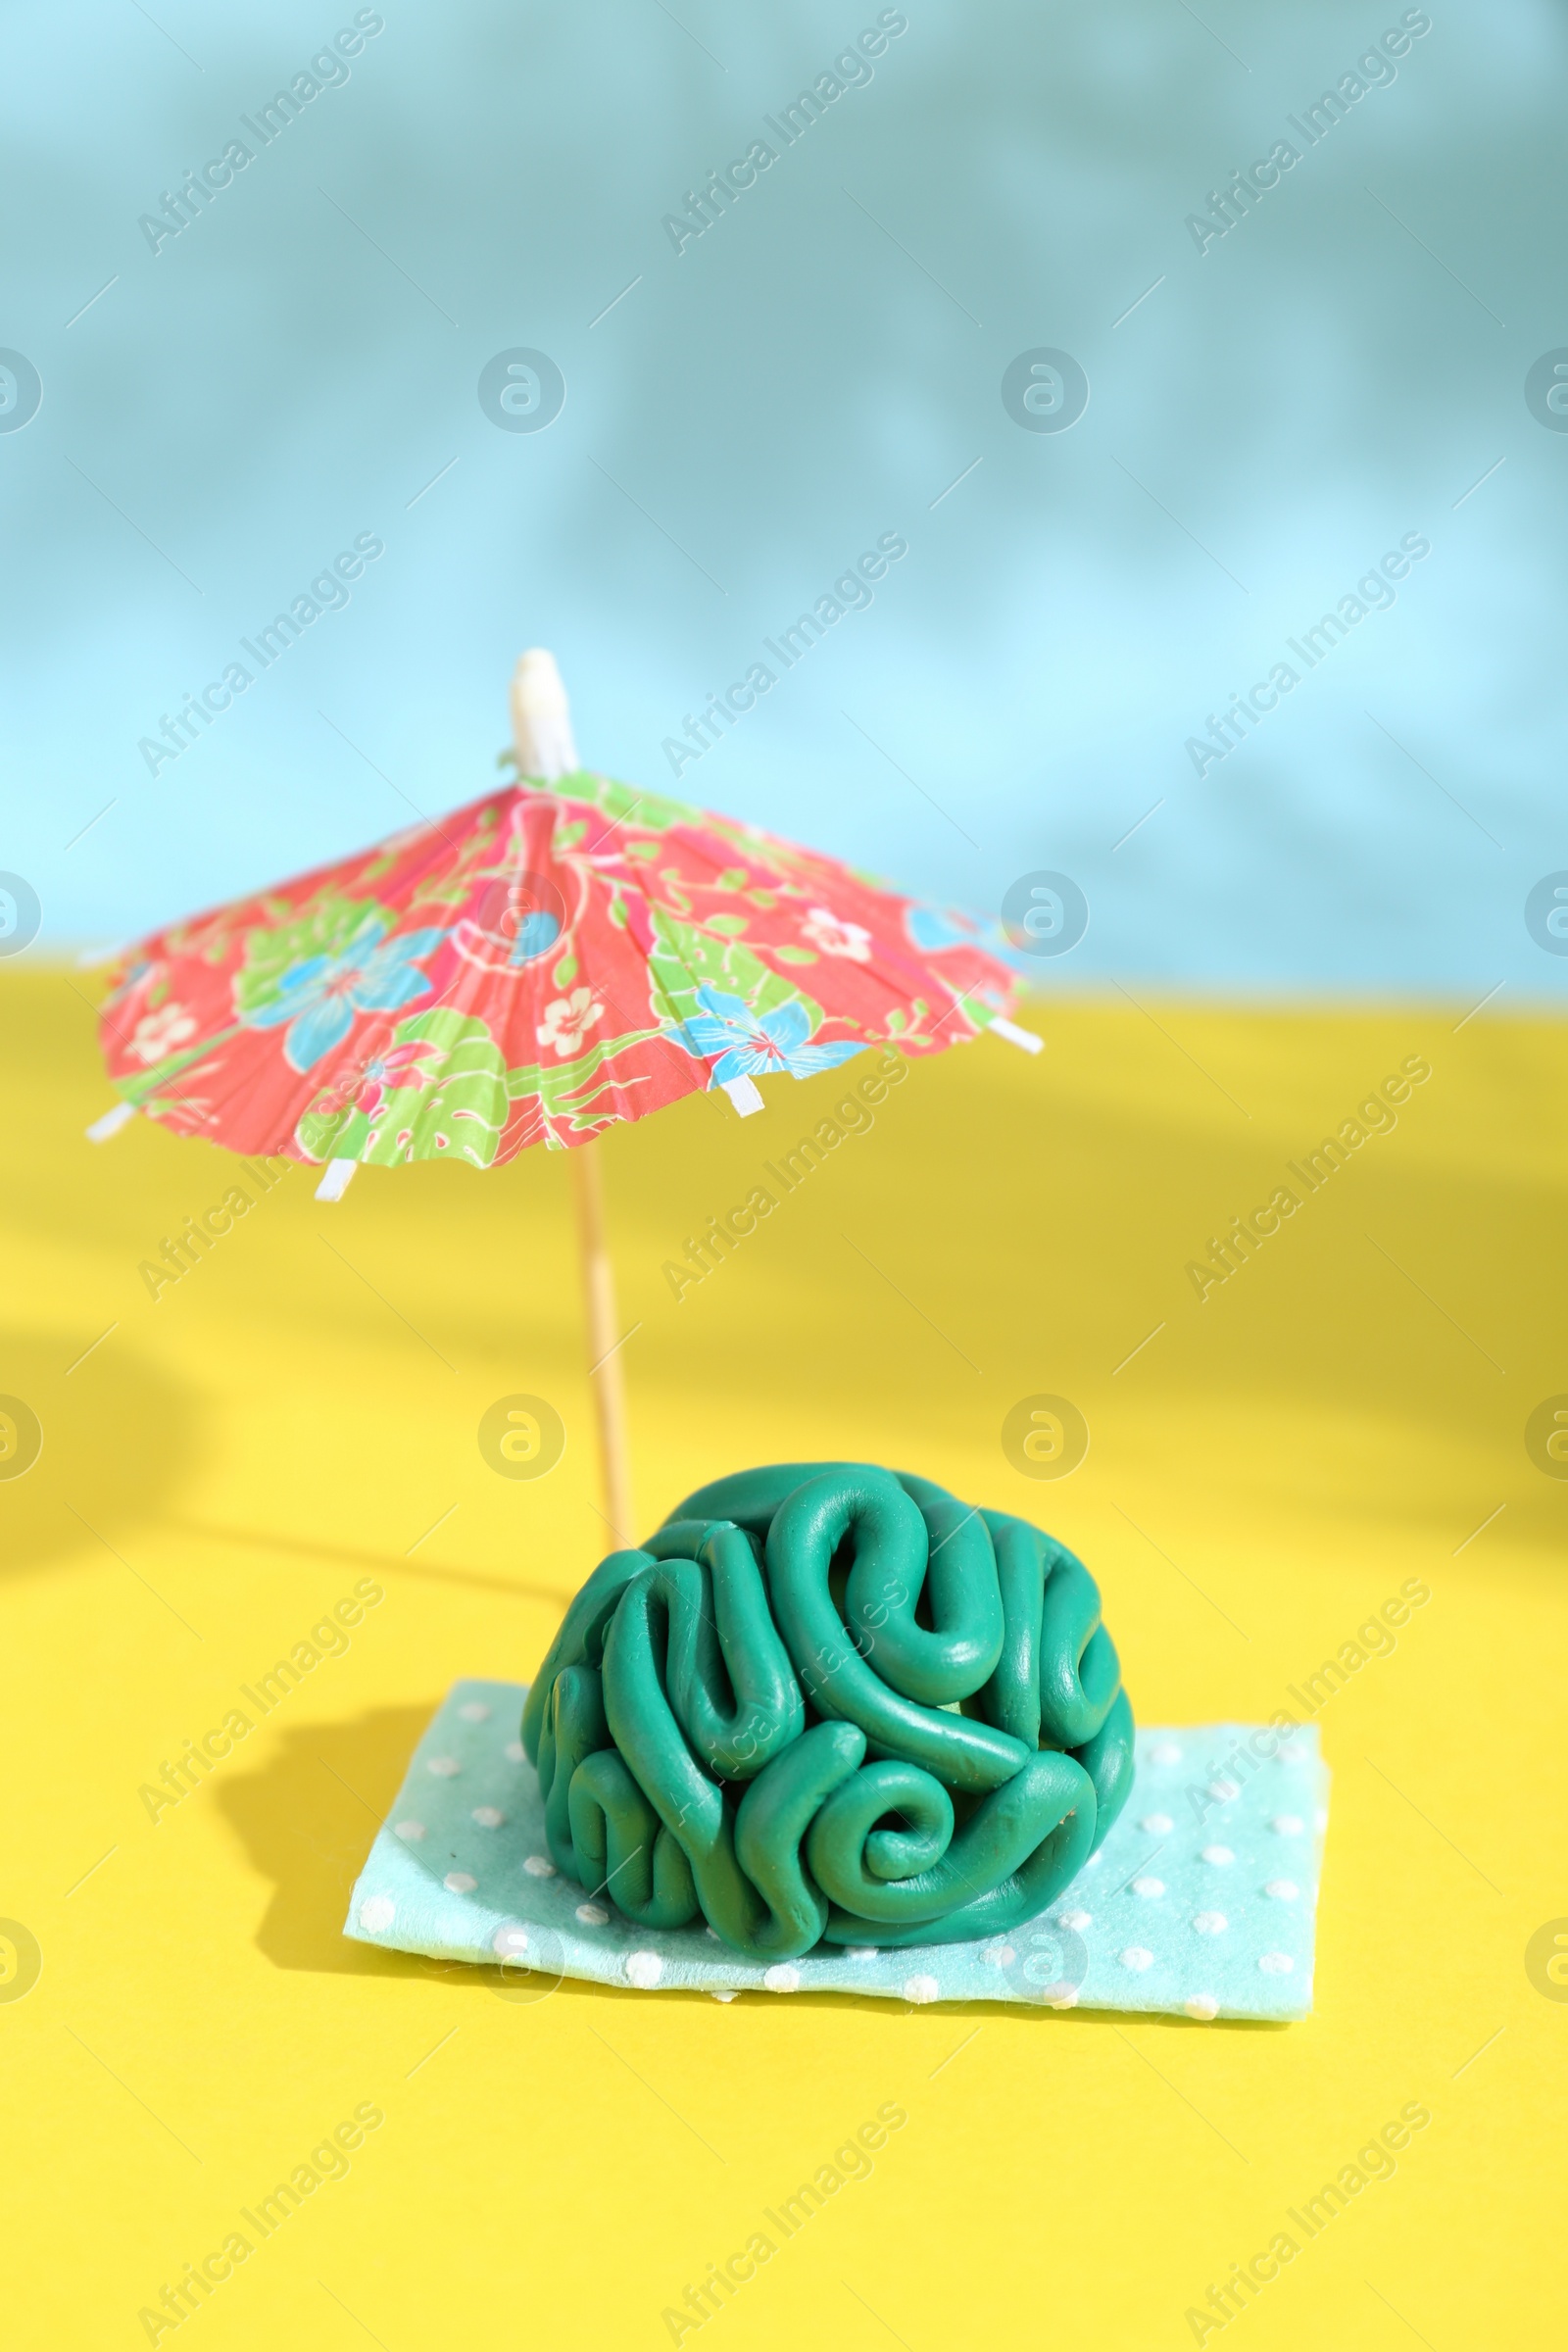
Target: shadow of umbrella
<point>91,1447</point>
<point>312,1547</point>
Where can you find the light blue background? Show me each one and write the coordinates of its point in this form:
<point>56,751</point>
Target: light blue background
<point>803,377</point>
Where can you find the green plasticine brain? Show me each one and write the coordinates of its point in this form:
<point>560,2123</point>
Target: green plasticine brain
<point>831,1702</point>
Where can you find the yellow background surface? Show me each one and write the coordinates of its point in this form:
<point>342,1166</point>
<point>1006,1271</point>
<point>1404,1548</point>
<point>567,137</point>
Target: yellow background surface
<point>300,1409</point>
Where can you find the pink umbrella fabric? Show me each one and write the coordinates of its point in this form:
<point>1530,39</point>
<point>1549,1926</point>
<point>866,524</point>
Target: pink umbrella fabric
<point>533,969</point>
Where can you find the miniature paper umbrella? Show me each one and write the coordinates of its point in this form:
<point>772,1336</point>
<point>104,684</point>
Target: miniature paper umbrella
<point>560,954</point>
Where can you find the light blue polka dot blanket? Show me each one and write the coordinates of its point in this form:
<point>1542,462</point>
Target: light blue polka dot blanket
<point>1200,1903</point>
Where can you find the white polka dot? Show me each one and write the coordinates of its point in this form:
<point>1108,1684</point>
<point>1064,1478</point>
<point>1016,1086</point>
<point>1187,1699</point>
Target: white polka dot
<point>644,1969</point>
<point>1284,1891</point>
<point>999,1955</point>
<point>509,1941</point>
<point>1287,1825</point>
<point>1060,1996</point>
<point>1222,1789</point>
<point>487,1817</point>
<point>539,1866</point>
<point>411,1832</point>
<point>1077,1921</point>
<point>1201,2004</point>
<point>1210,1923</point>
<point>1159,1825</point>
<point>782,1979</point>
<point>921,1989</point>
<point>474,1710</point>
<point>1321,1818</point>
<point>1149,1889</point>
<point>593,1915</point>
<point>376,1913</point>
<point>1219,1856</point>
<point>1135,1957</point>
<point>445,1768</point>
<point>1096,1858</point>
<point>457,1882</point>
<point>723,1996</point>
<point>860,1951</point>
<point>1276,1964</point>
<point>1164,1751</point>
<point>512,1751</point>
<point>1294,1752</point>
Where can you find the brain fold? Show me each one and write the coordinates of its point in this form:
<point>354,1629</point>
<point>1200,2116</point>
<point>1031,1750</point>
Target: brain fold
<point>831,1702</point>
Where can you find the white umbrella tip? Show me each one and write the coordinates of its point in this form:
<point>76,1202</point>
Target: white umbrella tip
<point>536,684</point>
<point>541,718</point>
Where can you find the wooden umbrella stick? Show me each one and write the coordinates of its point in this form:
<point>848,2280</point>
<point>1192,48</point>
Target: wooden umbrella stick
<point>604,1340</point>
<point>541,734</point>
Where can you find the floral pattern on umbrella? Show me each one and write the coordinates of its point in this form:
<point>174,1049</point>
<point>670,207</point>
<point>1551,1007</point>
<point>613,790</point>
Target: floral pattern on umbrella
<point>532,969</point>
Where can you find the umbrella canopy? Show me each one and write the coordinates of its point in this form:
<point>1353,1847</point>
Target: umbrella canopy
<point>532,969</point>
<point>560,956</point>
